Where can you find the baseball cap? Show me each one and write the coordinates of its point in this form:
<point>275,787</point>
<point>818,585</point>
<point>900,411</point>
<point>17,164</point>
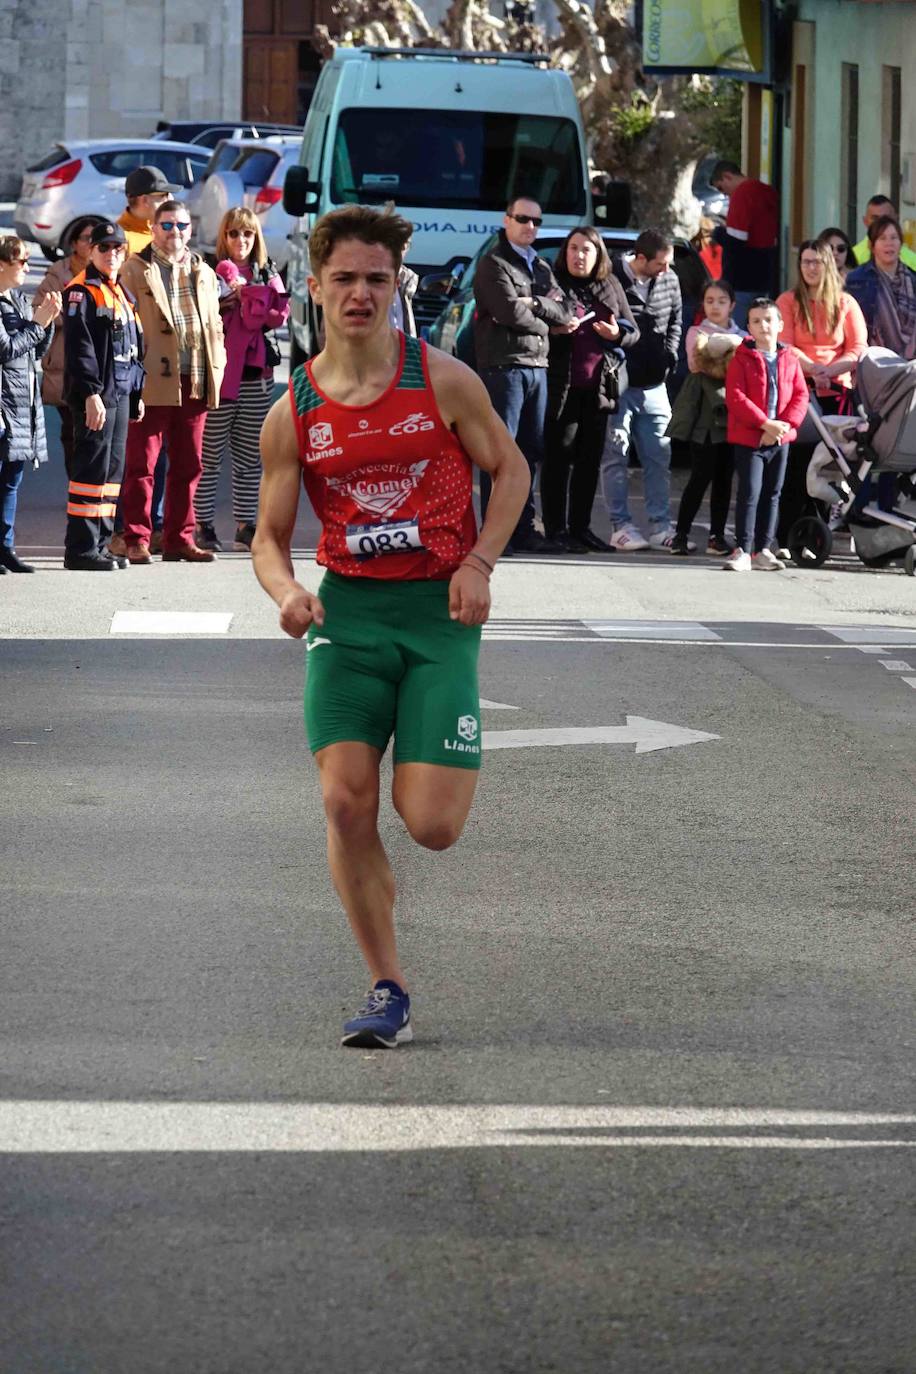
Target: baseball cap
<point>108,233</point>
<point>147,181</point>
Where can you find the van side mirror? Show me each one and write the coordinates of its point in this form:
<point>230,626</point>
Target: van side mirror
<point>438,284</point>
<point>299,194</point>
<point>615,207</point>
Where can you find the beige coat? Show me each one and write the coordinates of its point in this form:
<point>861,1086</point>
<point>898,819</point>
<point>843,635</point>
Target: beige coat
<point>58,275</point>
<point>142,277</point>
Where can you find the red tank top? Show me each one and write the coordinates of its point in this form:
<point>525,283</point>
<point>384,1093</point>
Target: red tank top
<point>389,482</point>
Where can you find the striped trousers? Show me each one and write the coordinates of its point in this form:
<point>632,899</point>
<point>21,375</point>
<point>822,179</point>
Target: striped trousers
<point>236,424</point>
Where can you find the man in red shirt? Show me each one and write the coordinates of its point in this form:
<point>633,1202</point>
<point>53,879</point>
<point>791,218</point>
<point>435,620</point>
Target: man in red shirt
<point>749,240</point>
<point>383,432</point>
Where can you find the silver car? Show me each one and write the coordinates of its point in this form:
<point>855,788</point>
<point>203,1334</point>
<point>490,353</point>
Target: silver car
<point>246,172</point>
<point>87,178</point>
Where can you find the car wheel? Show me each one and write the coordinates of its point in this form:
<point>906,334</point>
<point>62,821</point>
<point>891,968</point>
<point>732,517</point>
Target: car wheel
<point>50,253</point>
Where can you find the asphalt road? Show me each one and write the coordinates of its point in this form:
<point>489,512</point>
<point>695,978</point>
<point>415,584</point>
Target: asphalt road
<point>722,925</point>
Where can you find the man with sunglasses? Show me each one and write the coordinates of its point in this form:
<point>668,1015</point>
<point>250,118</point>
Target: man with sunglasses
<point>178,299</point>
<point>103,382</point>
<point>518,303</point>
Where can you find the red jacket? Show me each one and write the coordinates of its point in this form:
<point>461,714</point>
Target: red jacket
<point>746,393</point>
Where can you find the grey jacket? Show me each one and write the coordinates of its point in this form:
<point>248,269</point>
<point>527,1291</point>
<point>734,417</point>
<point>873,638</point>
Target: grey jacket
<point>22,417</point>
<point>659,321</point>
<point>507,333</point>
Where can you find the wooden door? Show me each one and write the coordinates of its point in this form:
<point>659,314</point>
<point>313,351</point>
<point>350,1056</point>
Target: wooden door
<point>270,80</point>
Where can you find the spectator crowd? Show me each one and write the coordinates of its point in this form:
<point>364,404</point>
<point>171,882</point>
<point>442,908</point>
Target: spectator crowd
<point>159,364</point>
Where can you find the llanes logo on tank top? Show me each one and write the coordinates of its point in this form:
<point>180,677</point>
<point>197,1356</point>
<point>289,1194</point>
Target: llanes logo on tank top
<point>382,488</point>
<point>467,743</point>
<point>321,438</point>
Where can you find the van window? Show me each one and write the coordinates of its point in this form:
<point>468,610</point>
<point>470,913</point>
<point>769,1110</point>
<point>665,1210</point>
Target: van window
<point>463,160</point>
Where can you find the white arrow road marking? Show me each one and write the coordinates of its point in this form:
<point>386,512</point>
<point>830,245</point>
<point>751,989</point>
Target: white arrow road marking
<point>63,1127</point>
<point>647,735</point>
<point>496,705</point>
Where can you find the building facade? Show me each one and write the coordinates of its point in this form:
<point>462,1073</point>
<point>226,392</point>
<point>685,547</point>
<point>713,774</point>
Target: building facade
<point>102,68</point>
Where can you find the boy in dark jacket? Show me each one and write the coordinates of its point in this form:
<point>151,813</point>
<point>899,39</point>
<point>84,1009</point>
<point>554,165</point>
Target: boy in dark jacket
<point>767,398</point>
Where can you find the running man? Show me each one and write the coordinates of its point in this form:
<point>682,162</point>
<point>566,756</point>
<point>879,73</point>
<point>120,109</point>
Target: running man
<point>383,432</point>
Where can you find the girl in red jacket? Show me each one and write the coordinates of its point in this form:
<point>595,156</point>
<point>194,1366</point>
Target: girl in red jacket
<point>767,397</point>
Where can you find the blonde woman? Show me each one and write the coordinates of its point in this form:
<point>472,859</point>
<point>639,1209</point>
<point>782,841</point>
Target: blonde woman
<point>825,328</point>
<point>253,304</point>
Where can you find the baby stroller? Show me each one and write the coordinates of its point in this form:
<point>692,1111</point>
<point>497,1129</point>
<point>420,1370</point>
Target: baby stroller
<point>882,438</point>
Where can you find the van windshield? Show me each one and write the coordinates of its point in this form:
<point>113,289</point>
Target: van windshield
<point>456,159</point>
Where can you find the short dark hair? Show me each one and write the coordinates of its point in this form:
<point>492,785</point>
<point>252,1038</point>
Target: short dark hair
<point>602,268</point>
<point>720,285</point>
<point>722,166</point>
<point>762,303</point>
<point>879,200</point>
<point>79,226</point>
<point>521,195</point>
<point>168,207</point>
<point>833,231</point>
<point>361,222</point>
<point>651,242</point>
<point>878,226</point>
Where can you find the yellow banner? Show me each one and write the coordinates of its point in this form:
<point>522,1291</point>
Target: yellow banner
<point>693,34</point>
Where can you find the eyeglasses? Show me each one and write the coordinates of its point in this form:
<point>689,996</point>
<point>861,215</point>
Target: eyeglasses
<point>240,233</point>
<point>811,263</point>
<point>17,262</point>
<point>183,225</point>
<point>536,220</point>
<point>111,248</point>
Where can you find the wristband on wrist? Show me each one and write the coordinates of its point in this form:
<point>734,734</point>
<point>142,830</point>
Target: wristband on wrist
<point>480,558</point>
<point>474,568</point>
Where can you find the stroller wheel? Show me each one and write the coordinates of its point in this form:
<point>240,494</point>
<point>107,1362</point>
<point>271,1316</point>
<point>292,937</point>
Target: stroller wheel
<point>809,542</point>
<point>909,561</point>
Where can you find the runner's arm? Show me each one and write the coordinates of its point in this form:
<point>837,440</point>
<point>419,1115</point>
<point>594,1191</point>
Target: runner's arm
<point>270,548</point>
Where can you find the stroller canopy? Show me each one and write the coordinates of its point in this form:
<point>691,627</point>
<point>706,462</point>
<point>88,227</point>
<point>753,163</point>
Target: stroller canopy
<point>887,388</point>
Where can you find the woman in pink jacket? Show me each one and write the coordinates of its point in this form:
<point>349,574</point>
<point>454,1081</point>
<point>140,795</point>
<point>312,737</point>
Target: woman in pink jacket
<point>253,303</point>
<point>825,328</point>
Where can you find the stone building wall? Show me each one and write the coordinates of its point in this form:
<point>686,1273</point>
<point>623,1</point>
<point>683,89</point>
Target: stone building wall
<point>102,68</point>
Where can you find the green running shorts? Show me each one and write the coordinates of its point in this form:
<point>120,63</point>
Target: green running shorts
<point>389,661</point>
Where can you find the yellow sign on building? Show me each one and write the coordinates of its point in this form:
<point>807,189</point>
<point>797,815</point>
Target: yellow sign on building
<point>699,35</point>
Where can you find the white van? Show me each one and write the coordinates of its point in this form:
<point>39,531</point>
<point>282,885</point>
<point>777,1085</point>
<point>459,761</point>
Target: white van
<point>448,136</point>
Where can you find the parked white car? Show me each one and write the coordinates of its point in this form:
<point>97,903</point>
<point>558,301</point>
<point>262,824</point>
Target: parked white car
<point>87,178</point>
<point>247,178</point>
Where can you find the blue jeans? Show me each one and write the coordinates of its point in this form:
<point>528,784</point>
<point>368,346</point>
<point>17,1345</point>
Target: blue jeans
<point>519,397</point>
<point>645,412</point>
<point>10,477</point>
<point>760,477</point>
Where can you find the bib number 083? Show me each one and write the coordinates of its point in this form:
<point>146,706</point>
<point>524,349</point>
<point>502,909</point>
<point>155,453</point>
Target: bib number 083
<point>394,536</point>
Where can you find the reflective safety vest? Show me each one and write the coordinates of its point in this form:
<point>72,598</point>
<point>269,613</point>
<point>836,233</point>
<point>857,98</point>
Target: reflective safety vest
<point>112,303</point>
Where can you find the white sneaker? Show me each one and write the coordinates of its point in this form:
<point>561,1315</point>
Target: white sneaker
<point>767,561</point>
<point>628,540</point>
<point>663,539</point>
<point>737,561</point>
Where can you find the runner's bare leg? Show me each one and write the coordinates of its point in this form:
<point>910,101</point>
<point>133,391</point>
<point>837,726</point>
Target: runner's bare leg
<point>359,865</point>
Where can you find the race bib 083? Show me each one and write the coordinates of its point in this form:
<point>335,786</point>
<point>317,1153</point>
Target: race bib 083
<point>389,536</point>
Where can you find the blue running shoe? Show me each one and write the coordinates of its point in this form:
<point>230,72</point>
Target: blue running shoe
<point>384,1022</point>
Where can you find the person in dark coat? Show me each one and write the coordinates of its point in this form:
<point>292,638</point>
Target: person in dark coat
<point>103,383</point>
<point>585,376</point>
<point>24,339</point>
<point>518,301</point>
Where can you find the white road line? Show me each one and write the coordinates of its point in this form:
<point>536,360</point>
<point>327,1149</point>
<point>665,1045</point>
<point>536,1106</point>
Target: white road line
<point>895,665</point>
<point>171,622</point>
<point>867,634</point>
<point>653,629</point>
<point>872,648</point>
<point>647,735</point>
<point>65,1127</point>
<point>496,705</point>
<point>689,643</point>
<point>910,681</point>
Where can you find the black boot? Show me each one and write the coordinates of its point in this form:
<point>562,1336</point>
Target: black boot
<point>11,562</point>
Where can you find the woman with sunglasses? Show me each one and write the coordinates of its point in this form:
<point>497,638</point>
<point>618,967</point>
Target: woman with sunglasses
<point>59,276</point>
<point>840,246</point>
<point>25,336</point>
<point>253,304</point>
<point>103,382</point>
